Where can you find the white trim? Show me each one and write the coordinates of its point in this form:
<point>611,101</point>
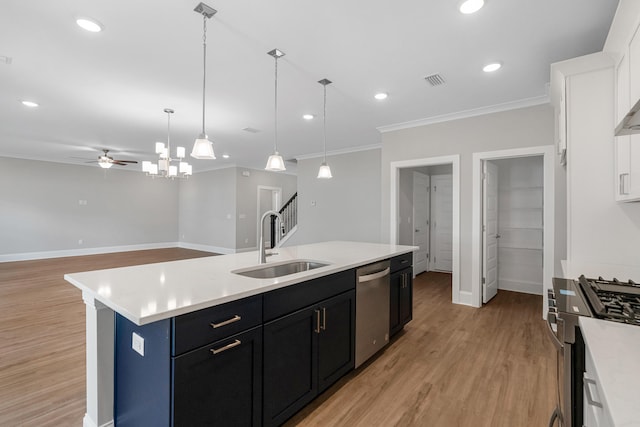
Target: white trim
<point>490,109</point>
<point>207,248</point>
<point>465,298</point>
<point>341,151</point>
<point>258,213</point>
<point>288,236</point>
<point>548,153</point>
<point>26,256</point>
<point>456,295</point>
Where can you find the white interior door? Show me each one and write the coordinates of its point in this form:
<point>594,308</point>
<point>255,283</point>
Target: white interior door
<point>490,231</point>
<point>420,222</point>
<point>441,254</point>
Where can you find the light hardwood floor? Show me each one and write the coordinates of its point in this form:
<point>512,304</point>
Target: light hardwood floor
<point>452,366</point>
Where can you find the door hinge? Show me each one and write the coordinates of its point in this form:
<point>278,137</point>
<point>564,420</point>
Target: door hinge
<point>484,228</point>
<point>484,176</point>
<point>435,188</point>
<point>484,280</point>
<point>427,255</point>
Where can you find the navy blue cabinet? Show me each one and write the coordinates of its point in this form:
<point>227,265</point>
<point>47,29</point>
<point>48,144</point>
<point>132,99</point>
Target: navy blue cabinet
<point>401,297</point>
<point>304,353</point>
<point>200,369</point>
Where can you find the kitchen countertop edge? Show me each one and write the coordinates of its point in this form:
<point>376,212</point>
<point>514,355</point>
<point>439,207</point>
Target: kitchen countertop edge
<point>102,284</point>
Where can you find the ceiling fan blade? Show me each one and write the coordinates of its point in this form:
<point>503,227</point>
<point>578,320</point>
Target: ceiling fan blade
<point>116,162</point>
<point>125,161</point>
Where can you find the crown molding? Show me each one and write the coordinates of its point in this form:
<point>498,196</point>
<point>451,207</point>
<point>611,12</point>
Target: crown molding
<point>341,151</point>
<point>513,105</point>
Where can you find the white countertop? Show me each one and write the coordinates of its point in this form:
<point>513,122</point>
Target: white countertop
<point>151,292</point>
<point>614,348</point>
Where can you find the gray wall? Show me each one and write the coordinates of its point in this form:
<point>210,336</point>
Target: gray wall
<point>40,209</point>
<point>247,201</point>
<point>208,210</point>
<point>526,127</point>
<point>347,207</point>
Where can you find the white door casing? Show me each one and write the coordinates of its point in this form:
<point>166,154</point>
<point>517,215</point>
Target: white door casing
<point>441,255</point>
<point>489,231</point>
<point>420,222</point>
<point>269,198</point>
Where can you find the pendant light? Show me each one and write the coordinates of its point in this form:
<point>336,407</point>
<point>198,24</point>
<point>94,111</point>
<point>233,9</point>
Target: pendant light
<point>275,162</point>
<point>202,147</point>
<point>325,171</point>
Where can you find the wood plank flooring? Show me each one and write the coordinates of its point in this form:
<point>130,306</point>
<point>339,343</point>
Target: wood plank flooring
<point>452,366</point>
<point>42,336</point>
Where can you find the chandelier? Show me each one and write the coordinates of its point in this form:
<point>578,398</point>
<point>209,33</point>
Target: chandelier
<point>164,168</point>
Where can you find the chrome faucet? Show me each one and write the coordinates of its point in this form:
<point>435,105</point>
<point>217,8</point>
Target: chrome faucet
<point>261,250</point>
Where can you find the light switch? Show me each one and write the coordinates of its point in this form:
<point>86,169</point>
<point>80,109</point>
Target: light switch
<point>137,343</point>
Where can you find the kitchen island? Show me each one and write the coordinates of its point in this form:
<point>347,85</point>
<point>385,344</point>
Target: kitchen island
<point>153,293</point>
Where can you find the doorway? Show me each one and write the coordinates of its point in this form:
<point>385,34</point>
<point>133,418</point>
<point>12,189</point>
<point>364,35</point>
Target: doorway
<point>513,222</point>
<point>402,227</point>
<point>269,199</point>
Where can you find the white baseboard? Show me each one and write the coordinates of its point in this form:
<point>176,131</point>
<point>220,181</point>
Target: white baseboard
<point>519,286</point>
<point>246,249</point>
<point>88,422</point>
<point>465,298</point>
<point>207,248</point>
<point>26,256</point>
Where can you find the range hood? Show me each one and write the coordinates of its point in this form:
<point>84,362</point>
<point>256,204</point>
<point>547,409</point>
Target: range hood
<point>630,124</point>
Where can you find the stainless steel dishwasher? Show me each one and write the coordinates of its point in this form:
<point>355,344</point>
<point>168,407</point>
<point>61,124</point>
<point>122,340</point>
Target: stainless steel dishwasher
<point>372,310</point>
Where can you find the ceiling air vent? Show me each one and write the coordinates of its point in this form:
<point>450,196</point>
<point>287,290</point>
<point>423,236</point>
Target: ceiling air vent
<point>6,59</point>
<point>251,130</point>
<point>435,79</point>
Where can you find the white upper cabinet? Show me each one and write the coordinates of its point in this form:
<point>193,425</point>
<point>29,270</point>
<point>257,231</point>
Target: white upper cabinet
<point>627,148</point>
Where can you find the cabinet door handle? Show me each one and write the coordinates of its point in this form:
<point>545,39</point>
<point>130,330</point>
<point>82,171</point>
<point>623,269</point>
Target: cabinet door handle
<point>226,322</point>
<point>324,318</point>
<point>592,402</point>
<point>226,347</point>
<point>317,329</point>
<point>623,181</point>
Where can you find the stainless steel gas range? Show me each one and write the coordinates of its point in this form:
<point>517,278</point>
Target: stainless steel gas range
<point>610,300</point>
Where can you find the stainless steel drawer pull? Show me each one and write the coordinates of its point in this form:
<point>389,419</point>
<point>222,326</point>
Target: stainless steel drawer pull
<point>226,347</point>
<point>587,389</point>
<point>324,318</point>
<point>226,322</point>
<point>317,330</point>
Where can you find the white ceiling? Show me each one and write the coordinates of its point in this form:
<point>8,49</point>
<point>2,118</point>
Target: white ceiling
<point>108,90</point>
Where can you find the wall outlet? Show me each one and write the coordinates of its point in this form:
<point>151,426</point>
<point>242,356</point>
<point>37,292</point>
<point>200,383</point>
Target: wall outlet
<point>313,203</point>
<point>82,202</point>
<point>80,241</point>
<point>137,343</point>
<point>246,240</point>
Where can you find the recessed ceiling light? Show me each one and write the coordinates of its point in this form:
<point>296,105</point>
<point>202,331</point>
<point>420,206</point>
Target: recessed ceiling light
<point>471,6</point>
<point>490,68</point>
<point>89,25</point>
<point>225,156</point>
<point>30,104</point>
<point>380,96</point>
<point>308,116</point>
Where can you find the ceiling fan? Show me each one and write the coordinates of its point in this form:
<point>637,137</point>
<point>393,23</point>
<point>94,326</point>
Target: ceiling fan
<point>106,161</point>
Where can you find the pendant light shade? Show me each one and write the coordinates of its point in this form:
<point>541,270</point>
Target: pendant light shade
<point>202,147</point>
<point>325,171</point>
<point>275,163</point>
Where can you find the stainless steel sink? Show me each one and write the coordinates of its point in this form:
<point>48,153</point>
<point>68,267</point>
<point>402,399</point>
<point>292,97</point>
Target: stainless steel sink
<point>271,271</point>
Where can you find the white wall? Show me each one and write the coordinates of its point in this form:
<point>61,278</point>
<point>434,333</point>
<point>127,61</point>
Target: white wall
<point>526,127</point>
<point>208,211</point>
<point>347,207</point>
<point>247,201</point>
<point>40,210</point>
<point>601,231</point>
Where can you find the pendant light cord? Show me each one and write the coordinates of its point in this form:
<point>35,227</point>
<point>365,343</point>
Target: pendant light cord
<point>204,68</point>
<point>169,136</point>
<point>324,123</point>
<point>275,142</point>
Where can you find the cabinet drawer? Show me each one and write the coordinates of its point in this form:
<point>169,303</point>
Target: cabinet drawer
<point>287,300</point>
<point>201,327</point>
<point>401,261</point>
